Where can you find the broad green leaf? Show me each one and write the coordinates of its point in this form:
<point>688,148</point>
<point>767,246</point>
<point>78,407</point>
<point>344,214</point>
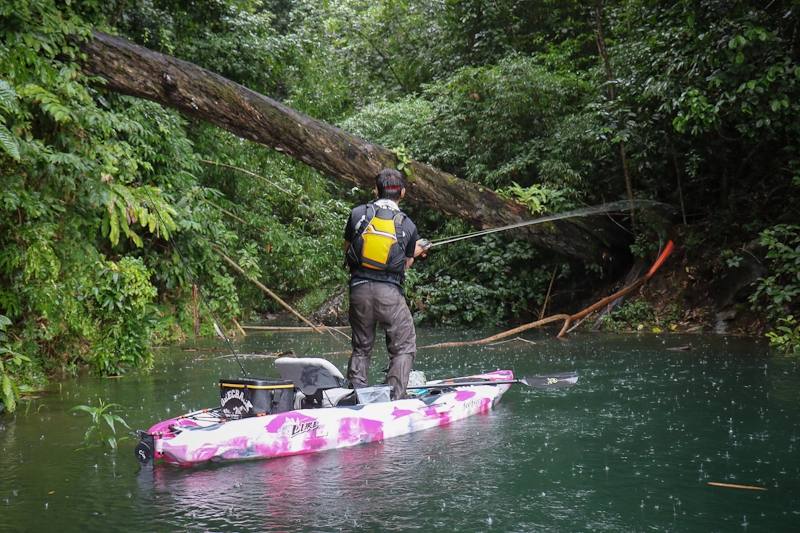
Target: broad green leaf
<point>113,235</point>
<point>7,94</point>
<point>120,420</point>
<point>110,421</point>
<point>9,142</point>
<point>8,394</point>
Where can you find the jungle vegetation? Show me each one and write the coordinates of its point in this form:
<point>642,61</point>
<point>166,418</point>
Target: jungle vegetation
<point>112,208</point>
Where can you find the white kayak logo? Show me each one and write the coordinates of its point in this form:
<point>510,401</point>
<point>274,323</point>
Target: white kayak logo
<point>231,398</point>
<point>304,427</point>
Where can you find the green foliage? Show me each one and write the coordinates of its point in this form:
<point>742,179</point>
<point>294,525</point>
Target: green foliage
<point>781,288</point>
<point>478,282</point>
<point>540,199</point>
<point>492,125</point>
<point>102,429</point>
<point>145,205</point>
<point>96,176</point>
<point>232,38</point>
<point>106,208</point>
<point>778,292</point>
<point>786,336</point>
<point>8,102</point>
<point>110,210</point>
<point>639,315</point>
<point>120,301</point>
<point>404,162</point>
<point>707,93</point>
<point>407,122</point>
<point>291,238</point>
<point>11,363</point>
<point>351,52</point>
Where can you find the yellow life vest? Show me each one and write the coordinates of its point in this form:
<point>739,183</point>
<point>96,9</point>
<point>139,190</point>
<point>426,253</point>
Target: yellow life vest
<point>381,244</point>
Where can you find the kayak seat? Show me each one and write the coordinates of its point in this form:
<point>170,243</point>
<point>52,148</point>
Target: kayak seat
<point>311,374</point>
<point>325,398</point>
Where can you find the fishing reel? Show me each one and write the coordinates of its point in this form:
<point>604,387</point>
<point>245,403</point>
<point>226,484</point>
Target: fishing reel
<point>426,245</point>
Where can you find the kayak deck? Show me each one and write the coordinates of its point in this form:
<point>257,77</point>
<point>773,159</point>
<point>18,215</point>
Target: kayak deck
<point>206,435</point>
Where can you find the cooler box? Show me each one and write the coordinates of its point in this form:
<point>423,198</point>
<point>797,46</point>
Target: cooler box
<point>244,397</point>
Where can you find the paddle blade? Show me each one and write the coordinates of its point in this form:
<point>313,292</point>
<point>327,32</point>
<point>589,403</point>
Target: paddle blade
<point>550,381</point>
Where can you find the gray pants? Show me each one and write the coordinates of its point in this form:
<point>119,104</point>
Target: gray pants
<point>373,303</point>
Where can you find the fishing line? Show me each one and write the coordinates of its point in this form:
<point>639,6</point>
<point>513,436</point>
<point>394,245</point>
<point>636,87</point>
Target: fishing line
<point>210,311</point>
<point>620,205</point>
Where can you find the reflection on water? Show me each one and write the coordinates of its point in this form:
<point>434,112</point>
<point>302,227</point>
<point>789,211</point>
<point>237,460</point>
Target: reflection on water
<point>631,447</point>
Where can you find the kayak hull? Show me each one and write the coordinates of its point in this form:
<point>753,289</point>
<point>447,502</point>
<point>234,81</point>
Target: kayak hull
<point>204,436</point>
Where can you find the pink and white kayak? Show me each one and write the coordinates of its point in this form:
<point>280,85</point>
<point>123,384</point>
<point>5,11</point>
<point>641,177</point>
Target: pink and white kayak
<point>306,426</point>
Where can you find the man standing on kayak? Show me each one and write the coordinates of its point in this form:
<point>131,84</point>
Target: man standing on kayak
<point>381,242</point>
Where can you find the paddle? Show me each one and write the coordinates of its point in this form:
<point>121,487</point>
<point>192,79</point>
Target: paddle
<point>563,379</point>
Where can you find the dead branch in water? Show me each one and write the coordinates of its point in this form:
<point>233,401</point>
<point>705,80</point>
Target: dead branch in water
<point>568,319</point>
<point>292,329</point>
<point>500,336</point>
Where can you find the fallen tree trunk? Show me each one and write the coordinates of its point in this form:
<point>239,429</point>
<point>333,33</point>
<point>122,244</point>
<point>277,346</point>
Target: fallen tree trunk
<point>138,71</point>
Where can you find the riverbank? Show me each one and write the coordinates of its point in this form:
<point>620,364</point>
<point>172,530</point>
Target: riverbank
<point>692,294</point>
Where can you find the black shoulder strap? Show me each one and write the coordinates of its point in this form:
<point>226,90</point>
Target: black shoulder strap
<point>364,220</point>
<point>398,219</point>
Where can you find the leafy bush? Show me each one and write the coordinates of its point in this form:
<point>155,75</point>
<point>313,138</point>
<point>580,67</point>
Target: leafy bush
<point>491,125</point>
<point>121,303</point>
<point>289,231</point>
<point>786,336</point>
<point>97,185</point>
<point>84,186</point>
<point>479,282</point>
<point>779,292</point>
<point>639,315</point>
<point>635,314</point>
<point>540,199</point>
<point>11,363</point>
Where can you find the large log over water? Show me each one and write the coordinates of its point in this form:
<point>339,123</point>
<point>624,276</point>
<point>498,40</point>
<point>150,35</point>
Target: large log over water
<point>138,71</point>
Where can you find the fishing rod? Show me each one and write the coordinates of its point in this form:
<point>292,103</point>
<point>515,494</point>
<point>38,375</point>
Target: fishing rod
<point>563,379</point>
<point>620,205</point>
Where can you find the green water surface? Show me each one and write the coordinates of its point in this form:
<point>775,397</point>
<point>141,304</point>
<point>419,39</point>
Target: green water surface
<point>632,447</point>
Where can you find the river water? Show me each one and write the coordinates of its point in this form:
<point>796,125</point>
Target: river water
<point>631,447</point>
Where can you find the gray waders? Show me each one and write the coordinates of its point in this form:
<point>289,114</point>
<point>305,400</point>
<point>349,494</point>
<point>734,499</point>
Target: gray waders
<point>373,303</point>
